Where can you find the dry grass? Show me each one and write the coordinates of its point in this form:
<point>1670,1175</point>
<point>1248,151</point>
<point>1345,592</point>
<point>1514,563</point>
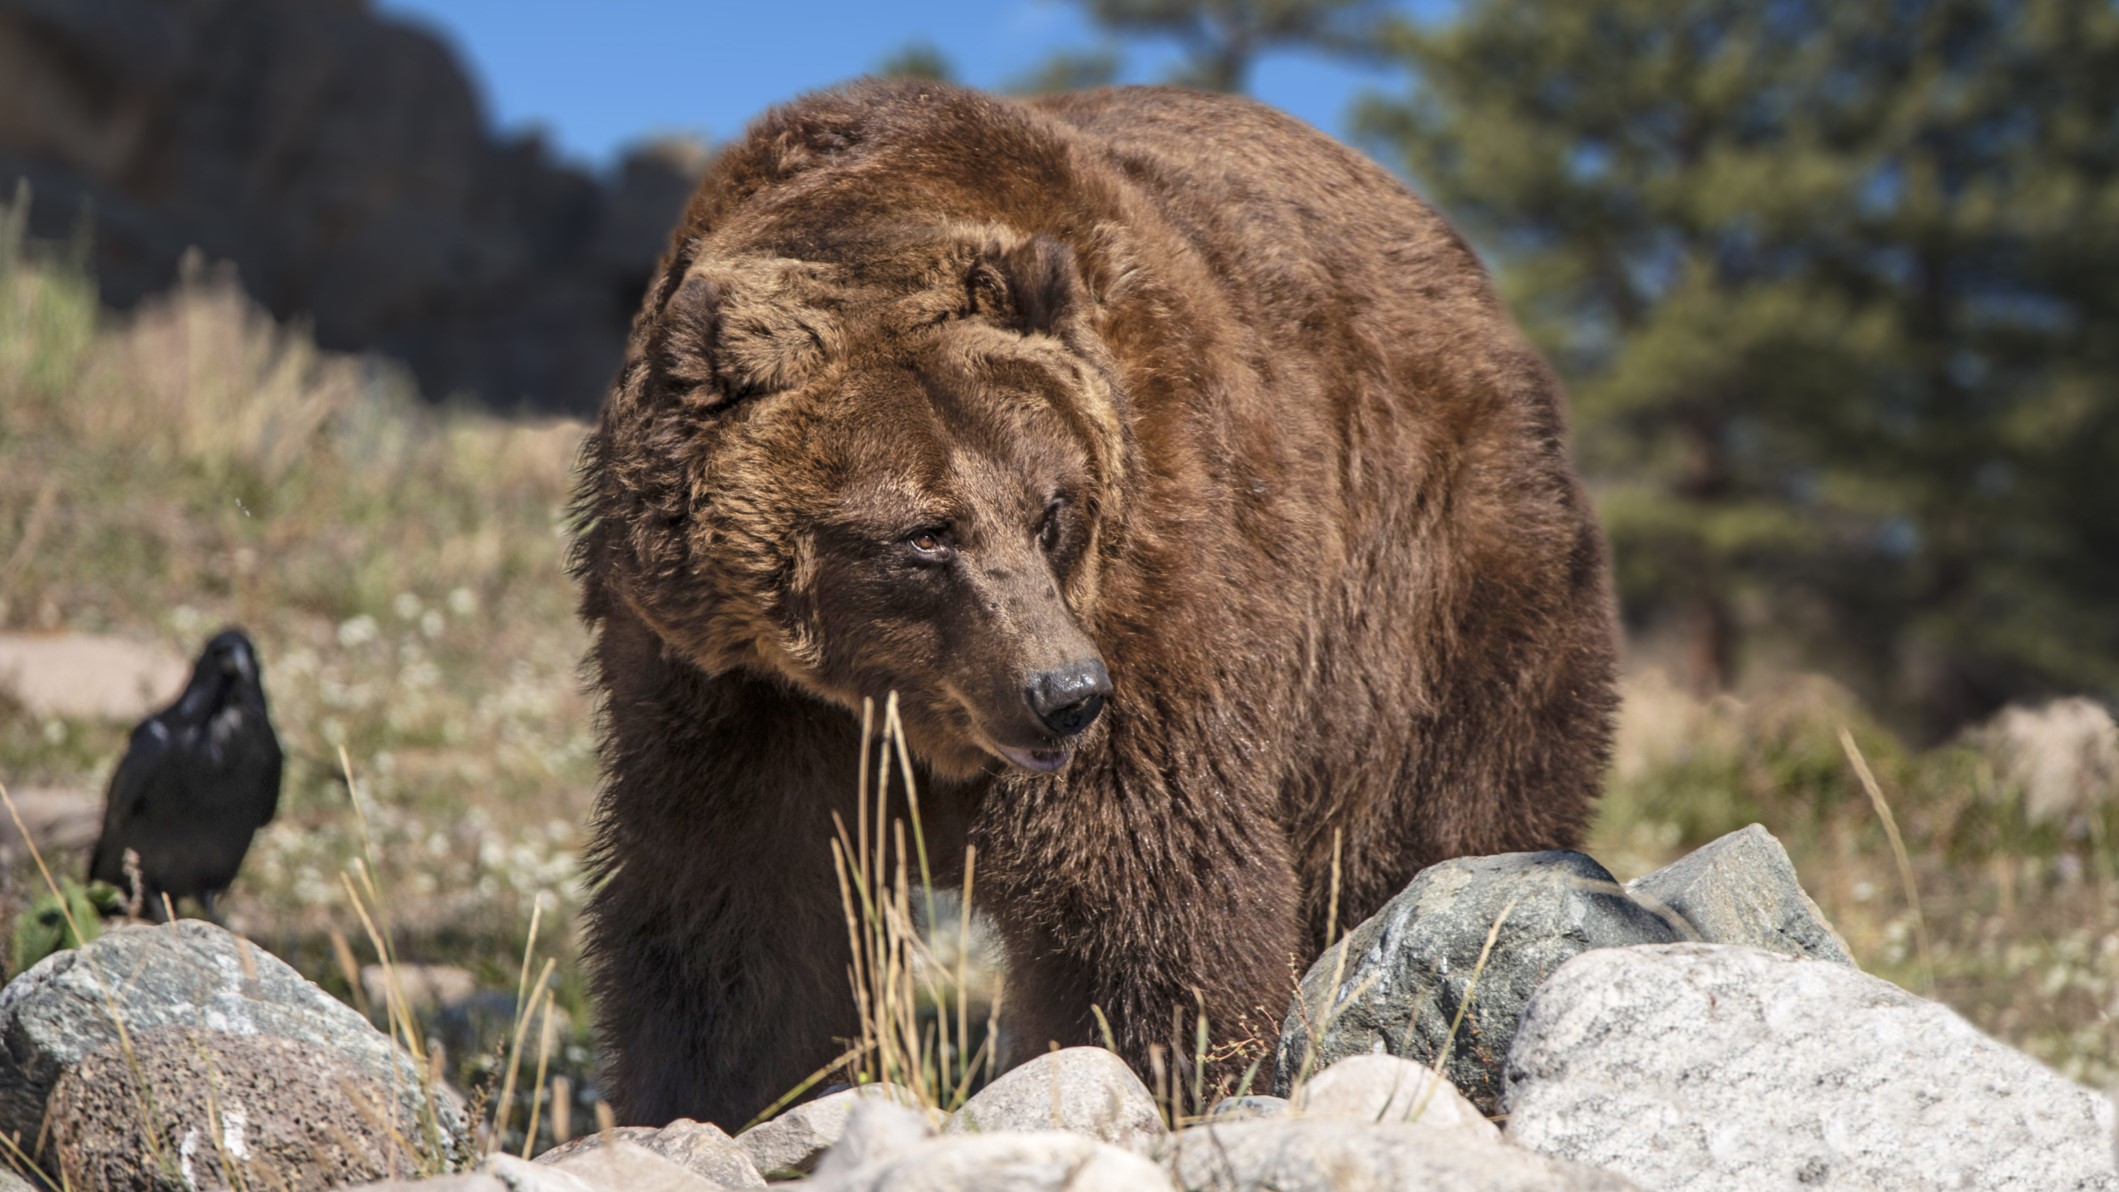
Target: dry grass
<point>2020,914</point>
<point>916,1007</point>
<point>400,567</point>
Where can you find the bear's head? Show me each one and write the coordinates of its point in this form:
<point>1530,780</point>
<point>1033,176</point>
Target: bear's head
<point>883,463</point>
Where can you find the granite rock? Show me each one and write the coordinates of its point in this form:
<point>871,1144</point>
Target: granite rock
<point>1741,889</point>
<point>1385,1088</point>
<point>1706,1066</point>
<point>1040,1161</point>
<point>877,1130</point>
<point>1310,1154</point>
<point>1085,1090</point>
<point>791,1143</point>
<point>702,1148</point>
<point>1397,982</point>
<point>630,1167</point>
<point>194,976</point>
<point>179,1108</point>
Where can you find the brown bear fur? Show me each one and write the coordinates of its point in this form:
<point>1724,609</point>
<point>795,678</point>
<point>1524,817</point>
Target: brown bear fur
<point>1163,378</point>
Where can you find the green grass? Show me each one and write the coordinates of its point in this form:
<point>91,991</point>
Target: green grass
<point>400,567</point>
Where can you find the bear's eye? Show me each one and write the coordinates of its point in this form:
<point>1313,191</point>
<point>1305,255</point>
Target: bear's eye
<point>929,545</point>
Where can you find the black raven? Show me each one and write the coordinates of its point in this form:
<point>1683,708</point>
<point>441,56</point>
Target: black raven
<point>198,780</point>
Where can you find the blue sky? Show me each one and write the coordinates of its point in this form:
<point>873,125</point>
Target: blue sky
<point>595,76</point>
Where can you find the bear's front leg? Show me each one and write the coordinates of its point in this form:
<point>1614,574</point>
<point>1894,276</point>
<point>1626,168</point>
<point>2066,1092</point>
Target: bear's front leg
<point>718,993</point>
<point>715,937</point>
<point>1150,904</point>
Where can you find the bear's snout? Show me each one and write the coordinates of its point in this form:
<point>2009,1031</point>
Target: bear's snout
<point>1066,699</point>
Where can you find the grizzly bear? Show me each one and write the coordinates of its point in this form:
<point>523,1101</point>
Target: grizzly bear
<point>1184,478</point>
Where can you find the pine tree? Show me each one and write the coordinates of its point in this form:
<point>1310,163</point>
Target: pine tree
<point>1223,39</point>
<point>1837,289</point>
<point>917,60</point>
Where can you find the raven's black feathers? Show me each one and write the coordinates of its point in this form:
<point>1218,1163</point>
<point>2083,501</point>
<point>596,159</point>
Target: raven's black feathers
<point>198,780</point>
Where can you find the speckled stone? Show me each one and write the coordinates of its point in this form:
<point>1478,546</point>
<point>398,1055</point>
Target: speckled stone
<point>1707,1066</point>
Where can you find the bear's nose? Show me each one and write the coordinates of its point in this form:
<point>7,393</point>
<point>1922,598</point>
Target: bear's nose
<point>1068,698</point>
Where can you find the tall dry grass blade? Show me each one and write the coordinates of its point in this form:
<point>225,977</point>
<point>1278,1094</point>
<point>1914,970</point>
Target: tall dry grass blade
<point>349,967</point>
<point>403,1024</point>
<point>860,842</point>
<point>1331,911</point>
<point>993,1025</point>
<point>501,1112</point>
<point>544,1053</point>
<point>856,968</point>
<point>380,1118</point>
<point>529,952</point>
<point>1471,990</point>
<point>769,1112</point>
<point>400,1023</point>
<point>1898,852</point>
<point>1315,1036</point>
<point>963,966</point>
<point>1159,1070</point>
<point>396,1008</point>
<point>1199,1058</point>
<point>1103,1026</point>
<point>28,1169</point>
<point>562,1109</point>
<point>962,1092</point>
<point>894,734</point>
<point>903,934</point>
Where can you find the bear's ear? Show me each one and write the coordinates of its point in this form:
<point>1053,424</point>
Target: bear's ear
<point>681,351</point>
<point>1030,287</point>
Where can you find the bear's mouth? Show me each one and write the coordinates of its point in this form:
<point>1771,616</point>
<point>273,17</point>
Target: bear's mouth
<point>1041,761</point>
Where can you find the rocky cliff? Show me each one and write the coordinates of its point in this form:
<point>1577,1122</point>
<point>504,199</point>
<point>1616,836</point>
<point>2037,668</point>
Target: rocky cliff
<point>342,163</point>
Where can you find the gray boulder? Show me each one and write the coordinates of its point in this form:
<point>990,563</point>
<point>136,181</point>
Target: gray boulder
<point>1233,1108</point>
<point>792,1143</point>
<point>179,1108</point>
<point>878,1129</point>
<point>1704,1066</point>
<point>1742,889</point>
<point>1043,1161</point>
<point>629,1167</point>
<point>1302,1154</point>
<point>1395,984</point>
<point>522,1175</point>
<point>617,1167</point>
<point>1384,1088</point>
<point>702,1148</point>
<point>470,1181</point>
<point>1085,1090</point>
<point>195,977</point>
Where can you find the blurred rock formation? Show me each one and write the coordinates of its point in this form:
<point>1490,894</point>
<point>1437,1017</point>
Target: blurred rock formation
<point>342,162</point>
